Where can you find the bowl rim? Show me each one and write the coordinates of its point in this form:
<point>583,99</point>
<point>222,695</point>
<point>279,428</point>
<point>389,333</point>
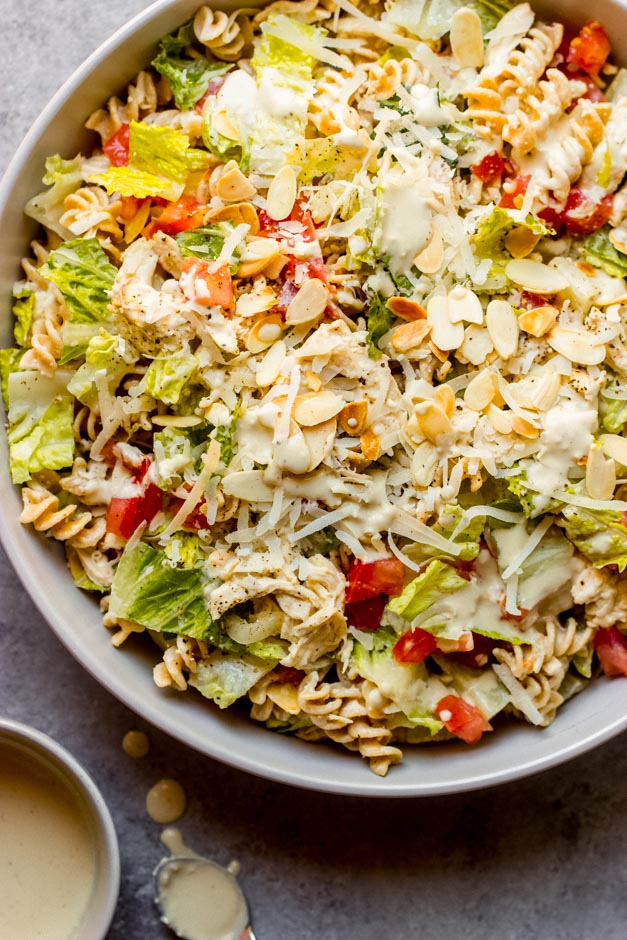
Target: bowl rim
<point>106,887</point>
<point>163,715</point>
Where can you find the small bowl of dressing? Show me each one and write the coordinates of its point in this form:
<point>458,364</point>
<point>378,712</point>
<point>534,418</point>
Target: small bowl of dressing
<point>59,857</point>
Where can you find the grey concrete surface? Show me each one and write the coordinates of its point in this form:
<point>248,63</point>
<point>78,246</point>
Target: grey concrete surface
<point>542,859</point>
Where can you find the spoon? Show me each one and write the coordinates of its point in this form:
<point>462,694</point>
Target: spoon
<point>200,900</point>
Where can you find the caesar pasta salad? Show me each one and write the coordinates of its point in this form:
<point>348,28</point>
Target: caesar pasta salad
<point>320,366</point>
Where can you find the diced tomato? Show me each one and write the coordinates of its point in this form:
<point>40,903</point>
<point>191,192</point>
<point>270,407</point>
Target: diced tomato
<point>177,217</point>
<point>207,283</point>
<point>529,300</point>
<point>306,268</point>
<point>516,189</point>
<point>491,168</point>
<point>590,49</point>
<point>125,515</point>
<point>117,146</point>
<point>366,614</point>
<point>580,215</point>
<point>367,579</point>
<point>611,648</point>
<point>414,646</point>
<point>213,88</point>
<point>462,719</point>
<point>270,227</point>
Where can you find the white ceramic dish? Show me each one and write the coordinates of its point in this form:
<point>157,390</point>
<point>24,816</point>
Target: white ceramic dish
<point>596,715</point>
<point>43,751</point>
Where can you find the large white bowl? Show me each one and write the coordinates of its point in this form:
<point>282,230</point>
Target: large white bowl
<point>596,715</point>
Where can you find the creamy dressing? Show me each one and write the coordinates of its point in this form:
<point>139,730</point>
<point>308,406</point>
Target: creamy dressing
<point>135,744</point>
<point>404,225</point>
<point>427,108</point>
<point>166,801</point>
<point>47,862</point>
<point>198,899</point>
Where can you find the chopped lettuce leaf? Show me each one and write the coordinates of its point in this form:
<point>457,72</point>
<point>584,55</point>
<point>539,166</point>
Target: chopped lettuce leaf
<point>225,677</point>
<point>431,19</point>
<point>185,549</point>
<point>207,242</point>
<point>111,355</point>
<point>65,177</point>
<point>173,456</point>
<point>322,542</point>
<point>582,661</point>
<point>613,414</point>
<point>600,536</point>
<point>188,77</point>
<point>148,589</point>
<point>80,576</point>
<point>41,416</point>
<point>9,363</point>
<point>271,649</point>
<point>488,240</point>
<point>425,590</point>
<point>379,321</point>
<point>544,571</point>
<point>166,378</point>
<point>598,250</point>
<point>283,48</point>
<point>322,155</point>
<point>127,181</point>
<point>469,537</point>
<point>85,276</point>
<point>217,143</point>
<point>23,311</point>
<point>480,687</point>
<point>225,435</point>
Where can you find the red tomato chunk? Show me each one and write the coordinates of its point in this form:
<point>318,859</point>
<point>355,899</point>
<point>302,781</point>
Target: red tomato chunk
<point>414,646</point>
<point>491,168</point>
<point>462,719</point>
<point>366,614</point>
<point>126,515</point>
<point>611,648</point>
<point>368,579</point>
<point>590,49</point>
<point>117,146</point>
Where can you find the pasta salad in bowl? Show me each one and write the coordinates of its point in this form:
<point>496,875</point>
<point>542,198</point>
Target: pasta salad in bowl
<point>319,375</point>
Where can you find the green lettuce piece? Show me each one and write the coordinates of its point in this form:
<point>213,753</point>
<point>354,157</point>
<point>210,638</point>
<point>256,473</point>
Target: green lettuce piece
<point>431,19</point>
<point>225,435</point>
<point>41,416</point>
<point>148,589</point>
<point>173,456</point>
<point>469,537</point>
<point>322,542</point>
<point>207,242</point>
<point>186,549</point>
<point>322,155</point>
<point>225,677</point>
<point>166,378</point>
<point>23,311</point>
<point>425,590</point>
<point>189,78</point>
<point>9,363</point>
<point>217,143</point>
<point>85,276</point>
<point>516,484</point>
<point>544,571</point>
<point>582,661</point>
<point>127,181</point>
<point>64,177</point>
<point>480,687</point>
<point>379,321</point>
<point>598,250</point>
<point>613,414</point>
<point>79,575</point>
<point>271,649</point>
<point>600,535</point>
<point>104,353</point>
<point>488,240</point>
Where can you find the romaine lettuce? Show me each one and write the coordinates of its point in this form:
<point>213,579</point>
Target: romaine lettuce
<point>600,536</point>
<point>322,155</point>
<point>431,19</point>
<point>613,414</point>
<point>9,362</point>
<point>225,677</point>
<point>23,311</point>
<point>207,242</point>
<point>166,378</point>
<point>85,276</point>
<point>65,177</point>
<point>425,590</point>
<point>379,321</point>
<point>488,240</point>
<point>111,355</point>
<point>41,416</point>
<point>188,77</point>
<point>599,251</point>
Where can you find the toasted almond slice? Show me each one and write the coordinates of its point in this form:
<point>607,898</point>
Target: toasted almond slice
<point>224,125</point>
<point>313,381</point>
<point>424,464</point>
<point>282,194</point>
<point>440,354</point>
<point>481,390</point>
<point>600,474</point>
<point>467,39</point>
<point>263,333</point>
<point>256,301</point>
<point>275,266</point>
<point>524,428</point>
<point>309,303</point>
<point>410,335</point>
<point>316,408</point>
<point>614,446</point>
<point>238,213</point>
<point>432,420</point>
<point>577,345</point>
<point>539,320</point>
<point>445,335</point>
<point>319,440</point>
<point>445,397</point>
<point>502,324</point>
<point>257,255</point>
<point>233,186</point>
<point>354,418</point>
<point>463,304</point>
<point>477,345</point>
<point>521,241</point>
<point>370,444</point>
<point>429,260</point>
<point>537,392</point>
<point>248,485</point>
<point>500,420</point>
<point>618,238</point>
<point>536,277</point>
<point>406,309</point>
<point>268,371</point>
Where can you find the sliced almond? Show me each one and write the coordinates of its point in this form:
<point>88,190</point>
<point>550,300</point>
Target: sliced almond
<point>463,304</point>
<point>282,194</point>
<point>313,381</point>
<point>424,464</point>
<point>239,213</point>
<point>233,186</point>
<point>537,392</point>
<point>430,259</point>
<point>275,266</point>
<point>600,474</point>
<point>248,485</point>
<point>257,255</point>
<point>268,371</point>
<point>314,409</point>
<point>445,335</point>
<point>467,39</point>
<point>524,428</point>
<point>433,421</point>
<point>477,345</point>
<point>370,444</point>
<point>577,345</point>
<point>500,420</point>
<point>440,354</point>
<point>319,440</point>
<point>406,309</point>
<point>354,418</point>
<point>538,321</point>
<point>481,391</point>
<point>410,335</point>
<point>222,123</point>
<point>536,277</point>
<point>258,300</point>
<point>445,397</point>
<point>263,333</point>
<point>309,303</point>
<point>614,446</point>
<point>521,241</point>
<point>502,324</point>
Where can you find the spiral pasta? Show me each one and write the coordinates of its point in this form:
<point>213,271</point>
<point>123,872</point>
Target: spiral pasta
<point>226,37</point>
<point>539,109</point>
<point>142,99</point>
<point>90,212</point>
<point>43,510</point>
